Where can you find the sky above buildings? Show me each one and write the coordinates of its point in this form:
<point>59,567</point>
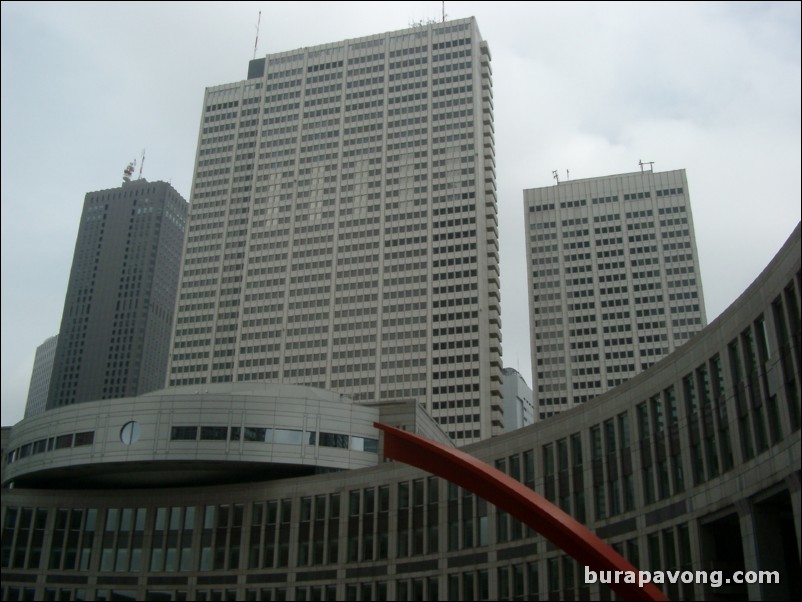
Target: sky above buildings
<point>587,89</point>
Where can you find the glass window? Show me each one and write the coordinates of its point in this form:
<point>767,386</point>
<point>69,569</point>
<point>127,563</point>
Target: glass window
<point>353,503</point>
<point>384,498</point>
<point>657,414</point>
<point>562,455</point>
<point>643,421</point>
<point>548,460</point>
<point>403,495</point>
<point>213,433</point>
<point>85,438</point>
<point>671,406</point>
<point>255,433</point>
<point>690,395</point>
<point>333,440</point>
<point>126,520</point>
<point>609,436</point>
<point>175,519</point>
<point>184,433</point>
<point>365,444</point>
<point>529,468</point>
<point>112,518</point>
<point>64,441</point>
<point>623,430</point>
<point>139,522</point>
<point>189,518</point>
<point>287,436</point>
<point>595,443</point>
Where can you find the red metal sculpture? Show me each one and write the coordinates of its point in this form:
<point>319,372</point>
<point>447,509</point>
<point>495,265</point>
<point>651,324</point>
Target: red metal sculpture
<point>522,503</point>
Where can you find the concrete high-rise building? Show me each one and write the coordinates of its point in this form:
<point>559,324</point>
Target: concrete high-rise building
<point>518,409</point>
<point>40,377</point>
<point>614,282</point>
<point>118,313</point>
<point>343,227</point>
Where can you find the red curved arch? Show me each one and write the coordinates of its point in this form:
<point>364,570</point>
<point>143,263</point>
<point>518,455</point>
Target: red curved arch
<point>519,501</point>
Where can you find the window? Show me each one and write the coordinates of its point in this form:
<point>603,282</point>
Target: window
<point>333,440</point>
<point>365,444</point>
<point>184,433</point>
<point>256,434</point>
<point>63,441</point>
<point>85,438</point>
<point>213,433</point>
<point>286,436</point>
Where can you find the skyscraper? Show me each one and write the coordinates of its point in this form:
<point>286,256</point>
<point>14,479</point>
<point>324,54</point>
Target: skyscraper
<point>118,312</point>
<point>518,411</point>
<point>614,281</point>
<point>343,227</point>
<point>40,377</point>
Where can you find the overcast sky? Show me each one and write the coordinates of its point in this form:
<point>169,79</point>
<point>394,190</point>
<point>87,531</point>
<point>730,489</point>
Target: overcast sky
<point>592,88</point>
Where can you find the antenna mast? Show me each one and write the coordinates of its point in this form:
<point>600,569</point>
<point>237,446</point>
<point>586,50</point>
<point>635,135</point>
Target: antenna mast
<point>556,175</point>
<point>444,11</point>
<point>141,165</point>
<point>256,42</point>
<point>649,163</point>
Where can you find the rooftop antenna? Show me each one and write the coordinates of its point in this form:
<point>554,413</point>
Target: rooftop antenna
<point>649,163</point>
<point>141,165</point>
<point>567,174</point>
<point>128,171</point>
<point>444,11</point>
<point>556,175</point>
<point>256,42</point>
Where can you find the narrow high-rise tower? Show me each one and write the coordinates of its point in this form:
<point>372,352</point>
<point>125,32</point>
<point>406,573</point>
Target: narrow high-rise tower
<point>118,313</point>
<point>614,282</point>
<point>343,227</point>
<point>40,377</point>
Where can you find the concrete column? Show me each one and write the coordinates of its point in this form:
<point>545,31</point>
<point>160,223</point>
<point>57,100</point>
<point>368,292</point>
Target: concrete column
<point>771,551</point>
<point>795,489</point>
<point>750,550</point>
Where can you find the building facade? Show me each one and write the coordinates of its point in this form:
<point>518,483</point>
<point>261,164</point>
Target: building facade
<point>118,312</point>
<point>343,229</point>
<point>614,282</point>
<point>40,377</point>
<point>693,465</point>
<point>518,409</point>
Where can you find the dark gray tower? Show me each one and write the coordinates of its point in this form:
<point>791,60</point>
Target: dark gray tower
<point>118,313</point>
<point>40,377</point>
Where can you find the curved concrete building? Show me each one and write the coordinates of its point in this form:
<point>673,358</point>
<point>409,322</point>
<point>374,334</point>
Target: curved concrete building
<point>207,434</point>
<point>694,465</point>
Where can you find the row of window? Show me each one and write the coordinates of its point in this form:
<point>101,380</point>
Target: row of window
<point>50,444</point>
<point>364,525</point>
<point>273,435</point>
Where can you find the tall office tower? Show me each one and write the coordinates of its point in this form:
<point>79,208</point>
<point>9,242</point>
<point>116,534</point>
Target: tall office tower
<point>518,409</point>
<point>614,282</point>
<point>40,377</point>
<point>118,312</point>
<point>343,227</point>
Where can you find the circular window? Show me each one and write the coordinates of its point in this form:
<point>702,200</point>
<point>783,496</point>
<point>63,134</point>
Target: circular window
<point>130,432</point>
